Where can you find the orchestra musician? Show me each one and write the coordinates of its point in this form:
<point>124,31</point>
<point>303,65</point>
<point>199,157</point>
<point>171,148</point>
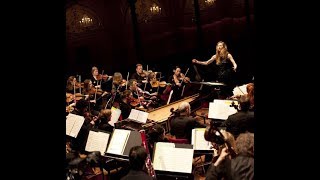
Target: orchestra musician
<point>99,80</point>
<point>103,120</point>
<point>81,109</point>
<point>139,75</point>
<point>178,80</point>
<point>72,85</point>
<point>137,159</point>
<point>144,98</point>
<point>151,83</point>
<point>95,95</point>
<point>182,124</point>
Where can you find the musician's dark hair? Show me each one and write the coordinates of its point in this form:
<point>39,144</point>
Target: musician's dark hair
<point>137,157</point>
<point>155,134</point>
<point>125,94</point>
<point>176,67</point>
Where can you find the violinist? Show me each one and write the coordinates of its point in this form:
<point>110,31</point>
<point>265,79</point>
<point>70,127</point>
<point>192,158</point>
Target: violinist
<point>179,77</point>
<point>145,98</point>
<point>139,75</point>
<point>118,83</point>
<point>152,83</point>
<point>178,80</point>
<point>72,92</point>
<point>72,85</point>
<point>98,80</point>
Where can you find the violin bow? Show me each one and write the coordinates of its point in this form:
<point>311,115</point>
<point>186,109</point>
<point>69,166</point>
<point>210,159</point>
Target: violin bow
<point>145,85</point>
<point>159,82</point>
<point>101,77</point>
<point>240,90</point>
<point>138,96</point>
<point>185,75</point>
<point>80,83</point>
<point>74,92</point>
<point>127,80</point>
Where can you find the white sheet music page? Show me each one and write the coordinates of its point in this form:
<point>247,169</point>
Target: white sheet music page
<point>133,114</point>
<point>220,109</point>
<point>142,117</point>
<point>74,124</point>
<point>169,158</point>
<point>118,141</point>
<point>115,114</point>
<point>198,141</point>
<point>97,141</point>
<point>240,90</point>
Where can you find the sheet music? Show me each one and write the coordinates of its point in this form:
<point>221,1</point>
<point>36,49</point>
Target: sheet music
<point>97,141</point>
<point>169,158</point>
<point>118,141</point>
<point>142,116</point>
<point>240,90</point>
<point>133,114</point>
<point>73,124</point>
<point>139,116</point>
<point>220,109</point>
<point>198,141</point>
<point>115,114</point>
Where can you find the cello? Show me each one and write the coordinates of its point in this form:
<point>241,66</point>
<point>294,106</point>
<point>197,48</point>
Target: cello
<point>210,134</point>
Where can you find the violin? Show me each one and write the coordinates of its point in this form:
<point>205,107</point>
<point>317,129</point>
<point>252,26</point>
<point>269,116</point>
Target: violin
<point>104,77</point>
<point>133,101</point>
<point>186,80</point>
<point>159,84</point>
<point>145,73</point>
<point>70,97</point>
<point>79,85</point>
<point>123,82</point>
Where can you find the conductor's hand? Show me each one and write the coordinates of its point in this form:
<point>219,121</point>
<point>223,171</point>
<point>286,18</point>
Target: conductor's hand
<point>234,68</point>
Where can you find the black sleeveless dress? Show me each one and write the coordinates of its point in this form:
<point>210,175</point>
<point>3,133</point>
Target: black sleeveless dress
<point>225,74</point>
